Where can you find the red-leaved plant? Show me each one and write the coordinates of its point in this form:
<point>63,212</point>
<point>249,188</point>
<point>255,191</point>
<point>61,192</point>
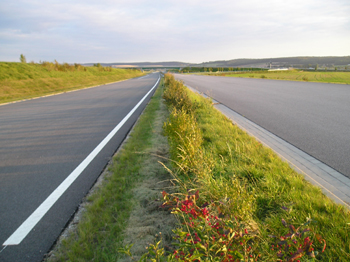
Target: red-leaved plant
<point>208,234</point>
<point>297,243</point>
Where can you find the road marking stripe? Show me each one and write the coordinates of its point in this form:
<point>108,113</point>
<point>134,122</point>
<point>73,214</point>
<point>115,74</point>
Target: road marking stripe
<point>3,249</point>
<point>17,237</point>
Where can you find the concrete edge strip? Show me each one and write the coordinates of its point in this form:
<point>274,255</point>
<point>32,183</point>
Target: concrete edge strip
<point>333,192</point>
<point>295,157</point>
<point>17,237</point>
<point>294,154</point>
<point>299,170</point>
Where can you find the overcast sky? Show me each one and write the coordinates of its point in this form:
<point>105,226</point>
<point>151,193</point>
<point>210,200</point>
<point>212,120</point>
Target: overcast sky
<point>180,30</point>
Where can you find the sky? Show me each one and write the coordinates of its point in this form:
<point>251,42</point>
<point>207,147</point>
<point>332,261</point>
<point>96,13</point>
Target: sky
<point>107,31</point>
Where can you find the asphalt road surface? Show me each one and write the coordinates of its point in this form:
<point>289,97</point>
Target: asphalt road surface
<point>44,141</point>
<point>315,117</point>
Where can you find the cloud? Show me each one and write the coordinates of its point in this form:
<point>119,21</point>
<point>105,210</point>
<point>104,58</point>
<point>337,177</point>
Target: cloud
<point>135,30</point>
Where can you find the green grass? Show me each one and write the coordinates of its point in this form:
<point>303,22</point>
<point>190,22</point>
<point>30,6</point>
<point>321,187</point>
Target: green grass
<point>250,183</point>
<point>296,75</point>
<point>22,81</point>
<point>101,230</point>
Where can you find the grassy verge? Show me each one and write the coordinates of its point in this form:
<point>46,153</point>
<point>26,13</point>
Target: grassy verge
<point>124,209</point>
<point>295,75</point>
<point>22,81</point>
<point>237,200</point>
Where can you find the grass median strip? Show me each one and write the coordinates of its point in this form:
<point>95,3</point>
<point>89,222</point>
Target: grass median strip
<point>22,81</point>
<point>124,207</point>
<point>237,200</point>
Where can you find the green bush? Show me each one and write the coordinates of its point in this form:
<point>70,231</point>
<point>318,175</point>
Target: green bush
<point>23,59</point>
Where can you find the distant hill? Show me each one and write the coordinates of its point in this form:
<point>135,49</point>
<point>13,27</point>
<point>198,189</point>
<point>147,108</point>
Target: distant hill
<point>298,62</point>
<point>144,64</point>
<point>302,61</point>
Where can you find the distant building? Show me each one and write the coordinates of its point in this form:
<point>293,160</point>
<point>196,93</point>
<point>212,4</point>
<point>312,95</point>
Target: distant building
<point>279,69</point>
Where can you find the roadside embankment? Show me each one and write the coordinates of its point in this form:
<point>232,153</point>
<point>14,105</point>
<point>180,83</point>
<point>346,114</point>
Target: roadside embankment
<point>23,81</point>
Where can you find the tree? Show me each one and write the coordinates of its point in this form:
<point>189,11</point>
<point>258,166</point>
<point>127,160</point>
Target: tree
<point>22,58</point>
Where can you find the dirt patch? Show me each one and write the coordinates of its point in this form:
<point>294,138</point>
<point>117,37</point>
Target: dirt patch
<point>148,219</point>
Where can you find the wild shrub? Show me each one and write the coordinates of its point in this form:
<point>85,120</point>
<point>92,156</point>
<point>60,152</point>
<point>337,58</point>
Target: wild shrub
<point>210,233</point>
<point>79,67</point>
<point>23,59</point>
<point>65,67</point>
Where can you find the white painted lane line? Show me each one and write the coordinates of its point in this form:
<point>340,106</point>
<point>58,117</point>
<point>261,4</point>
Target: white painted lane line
<point>17,237</point>
<point>3,249</point>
